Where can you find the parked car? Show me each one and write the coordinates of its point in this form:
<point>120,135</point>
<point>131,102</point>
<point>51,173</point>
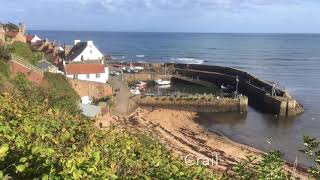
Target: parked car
<point>114,73</point>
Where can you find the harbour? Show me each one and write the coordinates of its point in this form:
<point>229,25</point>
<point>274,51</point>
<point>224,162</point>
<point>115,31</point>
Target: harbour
<point>292,60</point>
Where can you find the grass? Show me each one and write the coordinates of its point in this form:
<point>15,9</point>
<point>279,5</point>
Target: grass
<point>23,50</point>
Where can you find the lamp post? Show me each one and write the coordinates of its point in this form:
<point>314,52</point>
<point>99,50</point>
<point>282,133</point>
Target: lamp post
<point>237,85</point>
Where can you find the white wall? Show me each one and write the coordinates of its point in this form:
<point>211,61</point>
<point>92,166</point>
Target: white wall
<point>35,39</point>
<point>91,52</point>
<point>92,77</point>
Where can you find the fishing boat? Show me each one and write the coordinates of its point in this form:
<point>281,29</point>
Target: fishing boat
<point>227,87</point>
<point>161,82</point>
<point>164,86</point>
<point>135,91</point>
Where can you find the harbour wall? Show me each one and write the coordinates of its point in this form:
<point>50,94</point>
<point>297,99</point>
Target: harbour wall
<point>258,91</point>
<point>144,77</point>
<point>195,103</point>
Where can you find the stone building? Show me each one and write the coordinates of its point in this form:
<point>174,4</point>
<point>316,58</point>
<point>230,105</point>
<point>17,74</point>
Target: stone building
<point>16,36</point>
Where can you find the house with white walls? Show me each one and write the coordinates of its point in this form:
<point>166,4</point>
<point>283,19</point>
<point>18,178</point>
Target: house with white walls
<point>85,52</point>
<point>87,72</point>
<point>32,39</point>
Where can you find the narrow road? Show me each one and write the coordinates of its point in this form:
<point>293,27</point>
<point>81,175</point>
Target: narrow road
<point>123,106</point>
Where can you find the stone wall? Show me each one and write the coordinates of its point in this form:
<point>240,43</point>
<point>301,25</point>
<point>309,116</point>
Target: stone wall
<point>196,104</point>
<point>257,90</point>
<point>144,77</point>
<point>91,89</point>
<point>31,72</point>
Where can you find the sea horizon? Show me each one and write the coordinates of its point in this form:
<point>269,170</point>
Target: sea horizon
<point>173,32</point>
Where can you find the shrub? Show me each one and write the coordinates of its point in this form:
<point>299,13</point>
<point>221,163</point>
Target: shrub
<point>23,50</point>
<point>42,142</point>
<point>312,149</point>
<point>270,167</point>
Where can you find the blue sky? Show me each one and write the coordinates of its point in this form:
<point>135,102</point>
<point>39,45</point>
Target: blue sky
<point>292,16</point>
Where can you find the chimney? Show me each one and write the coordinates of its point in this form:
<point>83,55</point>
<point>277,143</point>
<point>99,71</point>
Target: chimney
<point>90,43</point>
<point>76,42</point>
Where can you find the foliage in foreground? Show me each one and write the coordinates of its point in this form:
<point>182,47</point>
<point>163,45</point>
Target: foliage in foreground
<point>313,151</point>
<point>269,167</point>
<point>44,141</point>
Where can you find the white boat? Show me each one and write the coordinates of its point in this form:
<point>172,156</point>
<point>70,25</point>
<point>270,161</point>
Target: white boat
<point>164,86</point>
<point>135,91</point>
<point>160,82</point>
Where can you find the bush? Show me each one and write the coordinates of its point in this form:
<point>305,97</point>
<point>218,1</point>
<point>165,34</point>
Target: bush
<point>5,53</point>
<point>41,139</point>
<point>38,141</point>
<point>313,151</point>
<point>59,93</point>
<point>23,50</point>
<point>270,167</point>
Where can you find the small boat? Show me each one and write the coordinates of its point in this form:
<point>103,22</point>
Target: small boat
<point>227,87</point>
<point>164,86</point>
<point>161,82</point>
<point>135,91</point>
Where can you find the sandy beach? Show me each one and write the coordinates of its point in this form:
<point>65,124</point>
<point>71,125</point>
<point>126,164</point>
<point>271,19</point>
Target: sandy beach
<point>182,136</point>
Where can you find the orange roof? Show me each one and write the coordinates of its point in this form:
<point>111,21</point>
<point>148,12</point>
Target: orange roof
<point>72,69</point>
<point>11,33</point>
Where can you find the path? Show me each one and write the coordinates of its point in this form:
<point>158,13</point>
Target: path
<point>123,106</point>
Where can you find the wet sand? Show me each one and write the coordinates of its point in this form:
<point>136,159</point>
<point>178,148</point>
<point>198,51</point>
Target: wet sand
<point>183,136</point>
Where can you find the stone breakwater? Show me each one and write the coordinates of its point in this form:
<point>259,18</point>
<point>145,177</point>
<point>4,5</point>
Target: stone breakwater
<point>262,95</point>
<point>200,103</point>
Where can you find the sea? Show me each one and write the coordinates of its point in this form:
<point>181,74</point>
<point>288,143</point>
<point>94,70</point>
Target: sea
<point>293,60</point>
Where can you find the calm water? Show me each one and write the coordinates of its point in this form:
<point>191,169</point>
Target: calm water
<point>291,59</point>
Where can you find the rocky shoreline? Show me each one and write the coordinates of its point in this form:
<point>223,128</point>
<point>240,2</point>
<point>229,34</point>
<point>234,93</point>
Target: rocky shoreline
<point>182,136</point>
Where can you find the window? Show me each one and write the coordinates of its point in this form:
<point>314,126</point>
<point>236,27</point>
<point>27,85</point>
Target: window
<point>88,76</point>
<point>75,76</point>
<point>90,51</point>
<point>97,75</point>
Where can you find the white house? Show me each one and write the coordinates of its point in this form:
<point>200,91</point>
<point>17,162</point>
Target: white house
<point>84,51</point>
<point>87,72</point>
<point>35,39</point>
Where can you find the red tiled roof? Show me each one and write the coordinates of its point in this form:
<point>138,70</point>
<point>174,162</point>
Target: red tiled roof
<point>72,69</point>
<point>11,33</point>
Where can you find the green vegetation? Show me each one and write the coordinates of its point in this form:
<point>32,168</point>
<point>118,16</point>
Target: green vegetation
<point>270,167</point>
<point>41,138</point>
<point>23,50</point>
<point>59,93</point>
<point>5,53</point>
<point>11,27</point>
<point>313,151</point>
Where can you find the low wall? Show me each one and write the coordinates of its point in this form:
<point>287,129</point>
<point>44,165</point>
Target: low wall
<point>144,77</point>
<point>196,104</point>
<point>32,73</point>
<point>91,89</point>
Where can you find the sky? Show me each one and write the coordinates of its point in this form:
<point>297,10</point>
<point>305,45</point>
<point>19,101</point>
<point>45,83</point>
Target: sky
<point>238,16</point>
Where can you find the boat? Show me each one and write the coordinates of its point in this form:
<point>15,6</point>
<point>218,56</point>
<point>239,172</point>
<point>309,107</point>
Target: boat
<point>227,87</point>
<point>161,82</point>
<point>135,91</point>
<point>164,86</point>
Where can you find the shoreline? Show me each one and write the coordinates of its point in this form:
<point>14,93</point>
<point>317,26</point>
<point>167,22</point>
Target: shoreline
<point>182,136</point>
